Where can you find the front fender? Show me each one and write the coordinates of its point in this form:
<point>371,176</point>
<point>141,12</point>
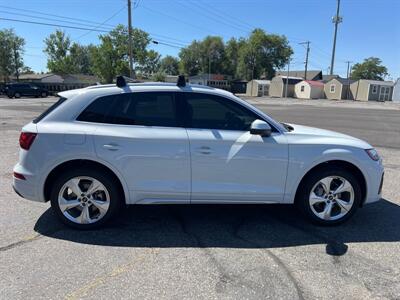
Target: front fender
<point>303,158</point>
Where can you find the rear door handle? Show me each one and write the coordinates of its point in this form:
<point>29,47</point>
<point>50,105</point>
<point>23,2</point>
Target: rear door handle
<point>204,150</point>
<point>111,147</point>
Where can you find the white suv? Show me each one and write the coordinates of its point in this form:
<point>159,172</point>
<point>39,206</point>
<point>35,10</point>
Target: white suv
<point>157,143</point>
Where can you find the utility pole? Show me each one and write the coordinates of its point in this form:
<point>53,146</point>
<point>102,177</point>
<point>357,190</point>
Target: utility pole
<point>130,39</point>
<point>16,60</point>
<point>348,79</point>
<point>287,78</point>
<point>336,19</point>
<point>306,62</point>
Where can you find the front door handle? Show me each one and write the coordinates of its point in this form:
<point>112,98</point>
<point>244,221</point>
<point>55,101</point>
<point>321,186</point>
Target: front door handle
<point>111,147</point>
<point>204,150</point>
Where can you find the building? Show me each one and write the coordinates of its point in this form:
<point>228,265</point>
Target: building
<point>338,89</point>
<point>396,91</point>
<point>372,90</point>
<point>55,83</point>
<point>238,86</point>
<point>311,75</point>
<point>214,80</point>
<point>278,86</point>
<point>309,89</point>
<point>258,88</point>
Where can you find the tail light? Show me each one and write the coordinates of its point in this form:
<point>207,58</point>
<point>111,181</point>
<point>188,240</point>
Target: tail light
<point>26,139</point>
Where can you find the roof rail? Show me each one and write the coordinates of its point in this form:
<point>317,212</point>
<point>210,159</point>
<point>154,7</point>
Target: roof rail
<point>181,81</point>
<point>122,80</point>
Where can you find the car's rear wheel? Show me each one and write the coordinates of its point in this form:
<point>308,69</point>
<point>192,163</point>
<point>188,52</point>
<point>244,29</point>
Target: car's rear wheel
<point>85,198</point>
<point>17,95</point>
<point>329,196</point>
<point>43,94</point>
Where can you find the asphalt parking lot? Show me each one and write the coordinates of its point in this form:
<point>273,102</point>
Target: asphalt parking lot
<point>208,252</point>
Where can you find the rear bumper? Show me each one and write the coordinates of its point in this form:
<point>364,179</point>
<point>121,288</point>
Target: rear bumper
<point>26,188</point>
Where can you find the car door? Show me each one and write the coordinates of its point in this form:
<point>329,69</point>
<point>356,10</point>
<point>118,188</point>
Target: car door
<point>228,163</point>
<point>140,137</point>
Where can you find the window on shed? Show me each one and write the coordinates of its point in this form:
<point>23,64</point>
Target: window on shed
<point>332,88</point>
<point>374,89</point>
<point>302,88</point>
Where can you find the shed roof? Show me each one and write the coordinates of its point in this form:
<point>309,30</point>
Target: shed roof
<point>311,74</point>
<point>261,81</point>
<point>315,83</point>
<point>378,82</point>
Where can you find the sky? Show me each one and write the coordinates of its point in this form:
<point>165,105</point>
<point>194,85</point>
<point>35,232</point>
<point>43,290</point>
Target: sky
<point>369,27</point>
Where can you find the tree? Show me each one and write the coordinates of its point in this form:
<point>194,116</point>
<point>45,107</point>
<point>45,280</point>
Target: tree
<point>232,49</point>
<point>57,50</point>
<point>263,54</point>
<point>11,51</point>
<point>169,65</point>
<point>111,56</point>
<point>80,58</point>
<point>206,56</point>
<point>151,63</point>
<point>370,68</point>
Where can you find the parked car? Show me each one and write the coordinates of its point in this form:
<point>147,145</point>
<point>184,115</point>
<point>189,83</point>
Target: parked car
<point>158,143</point>
<point>24,89</point>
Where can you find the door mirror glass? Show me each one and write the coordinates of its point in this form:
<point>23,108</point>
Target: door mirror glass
<point>260,127</point>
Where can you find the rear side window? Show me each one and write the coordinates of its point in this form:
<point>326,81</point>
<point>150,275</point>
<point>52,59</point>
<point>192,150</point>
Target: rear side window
<point>49,110</point>
<point>97,110</point>
<point>147,109</point>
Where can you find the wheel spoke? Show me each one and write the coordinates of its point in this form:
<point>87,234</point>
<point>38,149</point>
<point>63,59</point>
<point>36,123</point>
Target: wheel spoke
<point>326,184</point>
<point>101,205</point>
<point>73,184</point>
<point>84,217</point>
<point>314,199</point>
<point>326,213</point>
<point>344,204</point>
<point>344,187</point>
<point>94,187</point>
<point>67,204</point>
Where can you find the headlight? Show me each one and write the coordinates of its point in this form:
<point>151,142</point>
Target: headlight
<point>373,154</point>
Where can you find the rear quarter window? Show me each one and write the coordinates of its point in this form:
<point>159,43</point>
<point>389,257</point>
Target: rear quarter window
<point>60,101</point>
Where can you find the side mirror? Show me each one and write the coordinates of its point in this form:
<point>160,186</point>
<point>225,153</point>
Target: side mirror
<point>260,127</point>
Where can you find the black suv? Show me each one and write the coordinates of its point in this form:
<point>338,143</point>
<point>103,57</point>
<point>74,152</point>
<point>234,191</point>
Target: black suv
<point>24,89</point>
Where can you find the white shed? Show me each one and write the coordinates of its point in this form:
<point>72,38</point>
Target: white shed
<point>396,91</point>
<point>309,89</point>
<point>258,88</point>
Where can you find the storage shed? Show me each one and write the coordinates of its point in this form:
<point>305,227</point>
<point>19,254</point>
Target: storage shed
<point>309,89</point>
<point>372,90</point>
<point>338,89</point>
<point>396,91</point>
<point>258,88</point>
<point>278,86</point>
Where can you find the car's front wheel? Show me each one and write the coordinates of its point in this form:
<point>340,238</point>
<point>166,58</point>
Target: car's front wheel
<point>43,94</point>
<point>85,198</point>
<point>329,196</point>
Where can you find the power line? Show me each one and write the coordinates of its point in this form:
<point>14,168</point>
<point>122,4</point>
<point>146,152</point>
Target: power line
<point>177,19</point>
<point>94,28</point>
<point>51,24</point>
<point>53,15</point>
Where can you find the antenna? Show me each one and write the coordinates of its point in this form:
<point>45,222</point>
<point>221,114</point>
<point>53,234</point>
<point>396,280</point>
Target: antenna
<point>181,81</point>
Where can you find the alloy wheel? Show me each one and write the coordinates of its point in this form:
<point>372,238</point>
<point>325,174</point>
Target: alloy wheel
<point>84,200</point>
<point>331,198</point>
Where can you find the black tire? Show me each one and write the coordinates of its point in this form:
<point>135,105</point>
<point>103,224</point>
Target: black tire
<point>17,95</point>
<point>107,179</point>
<point>43,94</point>
<point>10,95</point>
<point>302,197</point>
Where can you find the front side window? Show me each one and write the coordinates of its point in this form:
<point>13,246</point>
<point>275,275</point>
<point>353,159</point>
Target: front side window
<point>206,111</point>
<point>146,109</point>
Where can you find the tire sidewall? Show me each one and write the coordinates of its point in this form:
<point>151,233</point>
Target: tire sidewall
<point>107,181</point>
<point>303,199</point>
<point>17,95</point>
